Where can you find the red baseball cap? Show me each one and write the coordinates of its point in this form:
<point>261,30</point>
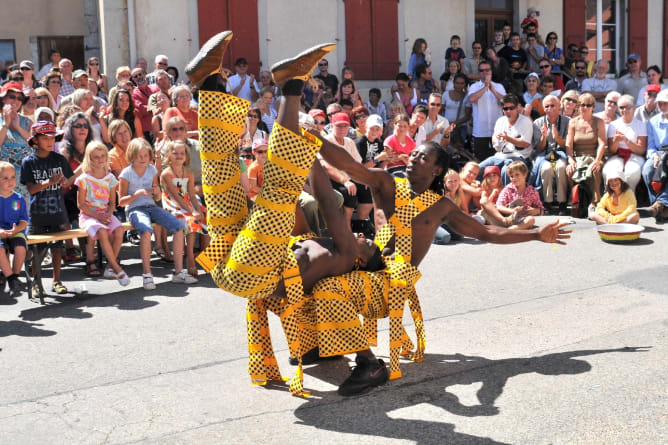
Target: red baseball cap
<point>654,88</point>
<point>45,128</point>
<point>340,118</point>
<point>317,112</point>
<point>491,169</point>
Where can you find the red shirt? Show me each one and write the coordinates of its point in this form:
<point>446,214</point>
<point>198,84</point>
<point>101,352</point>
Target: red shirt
<point>398,149</point>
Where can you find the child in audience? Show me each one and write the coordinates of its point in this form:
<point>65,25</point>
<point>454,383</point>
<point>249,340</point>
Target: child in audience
<point>375,106</point>
<point>618,204</point>
<point>96,199</point>
<point>255,169</point>
<point>455,52</point>
<point>519,200</point>
<point>13,222</point>
<point>179,198</point>
<point>138,192</point>
<point>46,173</point>
<point>454,191</point>
<point>470,185</point>
<point>491,185</point>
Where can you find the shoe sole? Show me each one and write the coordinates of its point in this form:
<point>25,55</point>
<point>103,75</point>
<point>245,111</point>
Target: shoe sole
<point>196,68</point>
<point>302,65</point>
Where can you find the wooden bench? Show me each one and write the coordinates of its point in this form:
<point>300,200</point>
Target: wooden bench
<point>36,240</point>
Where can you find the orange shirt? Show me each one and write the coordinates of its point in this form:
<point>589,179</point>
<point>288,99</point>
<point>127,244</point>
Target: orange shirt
<point>255,172</point>
<point>190,117</point>
<point>117,159</point>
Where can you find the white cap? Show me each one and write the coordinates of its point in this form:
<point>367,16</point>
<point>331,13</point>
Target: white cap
<point>662,96</point>
<point>614,174</point>
<point>46,110</point>
<point>374,121</point>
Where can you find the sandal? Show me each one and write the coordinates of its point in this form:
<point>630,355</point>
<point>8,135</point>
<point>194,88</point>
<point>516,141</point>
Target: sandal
<point>72,255</point>
<point>92,269</point>
<point>59,288</point>
<point>192,271</point>
<point>162,255</point>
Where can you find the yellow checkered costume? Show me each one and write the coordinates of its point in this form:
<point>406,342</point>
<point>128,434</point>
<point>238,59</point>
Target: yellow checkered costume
<point>250,253</point>
<point>339,300</point>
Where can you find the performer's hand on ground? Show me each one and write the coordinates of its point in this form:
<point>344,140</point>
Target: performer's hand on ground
<point>554,233</point>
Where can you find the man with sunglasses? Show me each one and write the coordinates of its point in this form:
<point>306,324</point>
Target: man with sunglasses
<point>633,81</point>
<point>580,75</point>
<point>546,71</point>
<point>485,96</point>
<point>331,81</point>
<point>513,133</point>
<point>436,127</point>
<point>649,109</point>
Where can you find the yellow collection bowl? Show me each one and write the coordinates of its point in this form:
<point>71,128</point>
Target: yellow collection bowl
<point>619,233</point>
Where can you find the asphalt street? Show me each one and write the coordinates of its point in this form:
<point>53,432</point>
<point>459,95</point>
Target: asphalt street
<point>526,344</point>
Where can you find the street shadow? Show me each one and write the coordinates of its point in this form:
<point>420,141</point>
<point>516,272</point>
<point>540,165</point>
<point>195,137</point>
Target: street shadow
<point>637,242</point>
<point>650,229</point>
<point>23,329</point>
<point>427,383</point>
<point>651,279</point>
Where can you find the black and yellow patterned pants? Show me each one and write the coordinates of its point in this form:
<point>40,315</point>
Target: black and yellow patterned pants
<point>250,253</point>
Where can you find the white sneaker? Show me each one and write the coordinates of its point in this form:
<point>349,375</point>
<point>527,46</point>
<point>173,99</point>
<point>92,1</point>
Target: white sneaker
<point>184,278</point>
<point>123,278</point>
<point>148,281</point>
<point>109,273</point>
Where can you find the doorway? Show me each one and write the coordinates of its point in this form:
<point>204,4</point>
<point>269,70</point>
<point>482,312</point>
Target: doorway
<point>71,47</point>
<point>491,15</point>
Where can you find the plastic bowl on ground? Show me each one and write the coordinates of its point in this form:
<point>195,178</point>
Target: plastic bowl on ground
<point>619,233</point>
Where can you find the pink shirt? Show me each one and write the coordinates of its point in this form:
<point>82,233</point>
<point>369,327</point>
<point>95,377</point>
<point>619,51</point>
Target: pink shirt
<point>395,145</point>
<point>530,196</point>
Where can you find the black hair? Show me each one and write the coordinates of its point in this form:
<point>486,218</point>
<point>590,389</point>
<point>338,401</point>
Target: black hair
<point>417,45</point>
<point>344,83</point>
<point>54,51</point>
<point>442,161</point>
<point>513,34</point>
<point>455,36</point>
<point>421,108</point>
<point>376,262</point>
<point>654,68</point>
<point>375,91</point>
<point>402,76</point>
<point>344,102</point>
<point>176,72</point>
<point>622,189</point>
<point>531,34</point>
<point>510,99</point>
<point>420,69</point>
<point>476,41</point>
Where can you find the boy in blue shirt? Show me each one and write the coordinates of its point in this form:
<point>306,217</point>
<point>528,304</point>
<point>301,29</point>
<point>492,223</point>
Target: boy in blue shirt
<point>45,173</point>
<point>13,222</point>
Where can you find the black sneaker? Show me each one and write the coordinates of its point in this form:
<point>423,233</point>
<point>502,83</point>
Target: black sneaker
<point>367,374</point>
<point>563,209</point>
<point>311,357</point>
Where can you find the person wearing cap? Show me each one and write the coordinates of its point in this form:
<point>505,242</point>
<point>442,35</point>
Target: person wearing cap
<point>241,84</point>
<point>29,80</point>
<point>532,96</point>
<point>654,77</point>
<point>649,109</point>
<point>657,151</point>
<point>14,130</point>
<point>260,147</point>
<point>633,81</point>
<point>161,62</point>
<point>66,68</point>
<point>47,174</point>
<point>618,204</point>
<point>319,118</point>
<point>341,181</point>
<point>550,158</point>
<point>80,79</point>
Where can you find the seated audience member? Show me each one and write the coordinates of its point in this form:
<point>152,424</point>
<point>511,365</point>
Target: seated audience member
<point>123,107</point>
<point>340,180</point>
<point>266,105</point>
<point>97,93</point>
<point>521,202</point>
<point>554,54</point>
<point>453,190</point>
<point>415,130</point>
<point>627,144</point>
<point>66,67</point>
<point>160,62</point>
<point>28,107</point>
<point>96,75</point>
<point>375,106</point>
<point>457,111</point>
<point>648,109</point>
<point>532,97</point>
<point>436,127</point>
<point>254,128</point>
<point>404,93</point>
<point>360,115</point>
<point>634,80</point>
<point>140,95</point>
<point>580,75</point>
<point>52,82</point>
<point>535,53</point>
<point>370,144</point>
<point>455,51</point>
<point>44,114</point>
<point>569,104</point>
<point>319,118</point>
<point>123,74</point>
<point>179,198</point>
<point>181,97</point>
<point>470,185</point>
<point>162,85</point>
<point>254,172</point>
<point>120,136</point>
<point>84,99</point>
<point>13,223</point>
<point>397,147</point>
<point>654,77</point>
<point>609,114</point>
<point>347,91</point>
<point>491,185</point>
<point>96,199</point>
<point>512,138</point>
<point>54,60</point>
<point>550,158</point>
<point>618,204</point>
<point>175,130</point>
<point>46,174</point>
<point>585,145</point>
<point>599,85</point>
<point>657,139</point>
<point>452,68</point>
<point>418,56</point>
<point>546,71</point>
<point>162,103</point>
<point>470,64</point>
<point>138,192</point>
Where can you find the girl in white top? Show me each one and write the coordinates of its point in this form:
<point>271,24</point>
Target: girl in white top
<point>96,199</point>
<point>627,143</point>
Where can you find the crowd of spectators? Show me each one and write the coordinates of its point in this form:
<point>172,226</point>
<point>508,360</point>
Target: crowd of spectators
<point>529,127</point>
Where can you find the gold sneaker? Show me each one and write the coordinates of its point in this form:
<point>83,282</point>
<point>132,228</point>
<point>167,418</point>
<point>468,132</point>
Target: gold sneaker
<point>209,59</point>
<point>301,66</point>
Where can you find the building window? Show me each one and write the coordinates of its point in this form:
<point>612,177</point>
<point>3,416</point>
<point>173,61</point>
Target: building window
<point>7,51</point>
<point>605,23</point>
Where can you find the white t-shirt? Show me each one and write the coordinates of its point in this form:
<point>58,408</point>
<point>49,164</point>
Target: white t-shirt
<point>430,126</point>
<point>595,85</point>
<point>522,129</point>
<point>349,146</point>
<point>245,91</point>
<point>486,110</point>
<point>632,131</point>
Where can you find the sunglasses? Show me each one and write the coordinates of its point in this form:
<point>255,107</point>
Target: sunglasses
<point>323,64</point>
<point>485,70</point>
<point>587,105</point>
<point>434,105</point>
<point>509,108</point>
<point>246,156</point>
<point>94,64</point>
<point>56,82</point>
<point>571,100</point>
<point>43,96</point>
<point>260,152</point>
<point>584,52</point>
<point>14,96</point>
<point>652,94</point>
<point>25,68</point>
<point>252,116</point>
<point>632,61</point>
<point>178,128</point>
<point>625,107</point>
<point>360,116</point>
<point>543,66</point>
<point>79,126</point>
<point>581,68</point>
<point>320,122</point>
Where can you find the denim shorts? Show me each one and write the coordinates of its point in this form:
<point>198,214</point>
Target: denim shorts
<point>143,217</point>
